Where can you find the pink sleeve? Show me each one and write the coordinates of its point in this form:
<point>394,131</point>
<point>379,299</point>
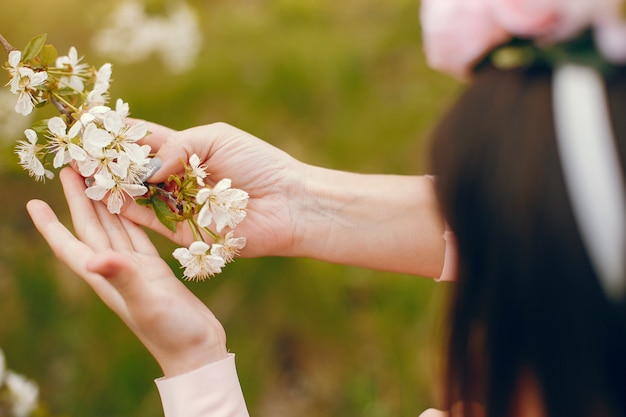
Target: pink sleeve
<point>431,412</point>
<point>450,260</point>
<point>210,391</point>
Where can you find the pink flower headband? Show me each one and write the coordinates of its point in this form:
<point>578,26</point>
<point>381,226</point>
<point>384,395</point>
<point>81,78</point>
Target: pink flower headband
<point>458,34</point>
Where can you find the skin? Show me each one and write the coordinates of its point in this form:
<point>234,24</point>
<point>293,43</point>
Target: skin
<point>120,263</point>
<point>383,222</point>
<point>296,210</point>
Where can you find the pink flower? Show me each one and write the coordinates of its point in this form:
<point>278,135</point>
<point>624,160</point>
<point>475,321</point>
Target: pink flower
<point>611,41</point>
<point>611,31</point>
<point>458,33</point>
<point>552,19</point>
<point>560,20</point>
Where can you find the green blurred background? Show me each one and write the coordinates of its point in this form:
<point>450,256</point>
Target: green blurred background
<point>341,84</point>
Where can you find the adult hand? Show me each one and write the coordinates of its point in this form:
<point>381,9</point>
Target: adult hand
<point>386,222</point>
<point>269,175</point>
<point>118,260</point>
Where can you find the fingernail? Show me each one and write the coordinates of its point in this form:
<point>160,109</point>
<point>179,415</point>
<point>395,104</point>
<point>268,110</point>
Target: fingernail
<point>89,181</point>
<point>151,167</point>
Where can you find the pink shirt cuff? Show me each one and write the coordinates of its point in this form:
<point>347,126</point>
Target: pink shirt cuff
<point>450,260</point>
<point>212,390</point>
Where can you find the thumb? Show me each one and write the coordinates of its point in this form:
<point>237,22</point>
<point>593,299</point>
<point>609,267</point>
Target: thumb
<point>168,160</point>
<point>179,146</point>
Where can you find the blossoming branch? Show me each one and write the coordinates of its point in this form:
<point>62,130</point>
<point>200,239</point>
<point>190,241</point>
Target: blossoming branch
<point>101,143</point>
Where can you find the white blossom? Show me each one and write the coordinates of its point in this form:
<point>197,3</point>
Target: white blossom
<point>120,191</point>
<point>122,108</point>
<point>200,261</point>
<point>24,394</point>
<point>77,71</point>
<point>105,160</point>
<point>23,81</point>
<point>95,139</point>
<point>15,58</point>
<point>138,160</point>
<point>116,189</point>
<point>197,170</point>
<point>106,149</point>
<point>223,205</point>
<point>99,95</point>
<point>24,84</point>
<point>94,114</point>
<point>132,35</point>
<point>231,246</point>
<point>62,142</point>
<point>28,153</point>
<point>103,183</point>
<point>126,136</point>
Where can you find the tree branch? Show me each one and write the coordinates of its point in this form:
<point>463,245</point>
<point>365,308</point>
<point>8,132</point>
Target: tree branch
<point>6,44</point>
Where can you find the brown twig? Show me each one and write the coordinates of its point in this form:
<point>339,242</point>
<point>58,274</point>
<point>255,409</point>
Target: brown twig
<point>6,44</point>
<point>62,109</point>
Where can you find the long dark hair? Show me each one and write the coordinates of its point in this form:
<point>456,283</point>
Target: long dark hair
<point>527,299</point>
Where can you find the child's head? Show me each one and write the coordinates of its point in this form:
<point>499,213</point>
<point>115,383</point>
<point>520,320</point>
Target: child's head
<point>529,304</point>
<point>527,297</point>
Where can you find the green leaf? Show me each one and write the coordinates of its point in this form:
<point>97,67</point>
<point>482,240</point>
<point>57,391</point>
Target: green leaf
<point>34,46</point>
<point>66,91</point>
<point>49,55</point>
<point>40,126</point>
<point>144,202</point>
<point>163,213</point>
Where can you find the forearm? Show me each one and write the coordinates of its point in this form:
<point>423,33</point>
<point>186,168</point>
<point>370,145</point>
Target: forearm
<point>385,222</point>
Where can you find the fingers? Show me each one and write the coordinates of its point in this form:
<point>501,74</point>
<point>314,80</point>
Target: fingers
<point>98,228</point>
<point>145,217</point>
<point>74,253</point>
<point>61,241</point>
<point>84,217</point>
<point>158,134</point>
<point>139,239</point>
<point>112,226</point>
<point>119,269</point>
<point>179,146</point>
<point>172,153</point>
<point>121,273</point>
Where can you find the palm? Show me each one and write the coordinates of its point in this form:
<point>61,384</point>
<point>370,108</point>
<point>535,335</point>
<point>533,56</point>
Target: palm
<point>156,306</point>
<point>253,165</point>
<point>117,259</point>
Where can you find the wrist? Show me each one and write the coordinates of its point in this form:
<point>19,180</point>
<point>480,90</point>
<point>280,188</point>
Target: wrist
<point>193,352</point>
<point>190,361</point>
<point>317,206</point>
<point>386,222</point>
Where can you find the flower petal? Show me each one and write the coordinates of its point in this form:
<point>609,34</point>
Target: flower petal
<point>199,248</point>
<point>57,127</point>
<point>15,57</point>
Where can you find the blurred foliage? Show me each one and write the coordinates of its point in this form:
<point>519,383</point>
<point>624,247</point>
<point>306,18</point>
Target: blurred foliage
<point>339,84</point>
